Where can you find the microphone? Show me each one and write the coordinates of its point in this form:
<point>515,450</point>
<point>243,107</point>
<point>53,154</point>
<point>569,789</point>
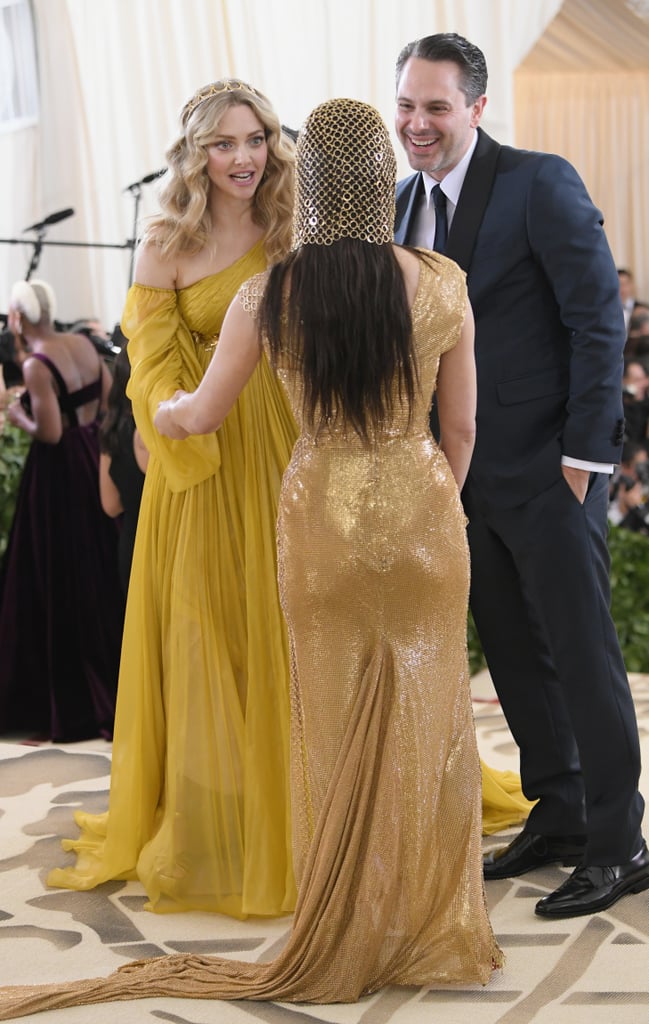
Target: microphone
<point>53,218</point>
<point>152,177</point>
<point>145,180</point>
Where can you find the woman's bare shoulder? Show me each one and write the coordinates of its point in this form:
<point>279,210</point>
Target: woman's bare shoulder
<point>154,269</point>
<point>410,264</point>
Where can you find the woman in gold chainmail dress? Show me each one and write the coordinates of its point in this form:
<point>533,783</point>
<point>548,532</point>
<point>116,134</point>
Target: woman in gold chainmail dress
<point>199,797</point>
<point>374,574</point>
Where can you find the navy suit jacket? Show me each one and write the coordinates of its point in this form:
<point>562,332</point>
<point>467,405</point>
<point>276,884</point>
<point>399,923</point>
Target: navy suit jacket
<point>549,325</point>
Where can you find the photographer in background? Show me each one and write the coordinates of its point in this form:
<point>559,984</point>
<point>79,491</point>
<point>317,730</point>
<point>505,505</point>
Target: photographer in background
<point>629,506</point>
<point>98,335</point>
<point>10,372</point>
<point>637,343</point>
<point>630,303</point>
<point>635,385</point>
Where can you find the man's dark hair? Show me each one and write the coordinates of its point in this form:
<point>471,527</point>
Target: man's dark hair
<point>450,46</point>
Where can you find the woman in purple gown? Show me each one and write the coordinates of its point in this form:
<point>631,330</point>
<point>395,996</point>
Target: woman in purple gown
<point>61,605</point>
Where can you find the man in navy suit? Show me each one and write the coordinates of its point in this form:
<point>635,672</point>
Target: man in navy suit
<point>549,341</point>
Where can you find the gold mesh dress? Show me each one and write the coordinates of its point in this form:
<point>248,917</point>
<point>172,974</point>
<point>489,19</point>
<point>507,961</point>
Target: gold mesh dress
<point>385,774</point>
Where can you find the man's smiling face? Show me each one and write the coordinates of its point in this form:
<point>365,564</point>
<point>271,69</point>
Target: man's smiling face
<point>433,121</point>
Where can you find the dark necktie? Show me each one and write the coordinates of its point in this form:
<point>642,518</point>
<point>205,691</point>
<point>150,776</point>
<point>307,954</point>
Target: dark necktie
<point>441,226</point>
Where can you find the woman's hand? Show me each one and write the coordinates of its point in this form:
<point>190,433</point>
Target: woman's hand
<point>164,421</point>
<point>17,415</point>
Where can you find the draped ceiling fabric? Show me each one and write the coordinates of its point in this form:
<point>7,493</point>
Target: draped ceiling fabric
<point>114,76</point>
<point>583,92</point>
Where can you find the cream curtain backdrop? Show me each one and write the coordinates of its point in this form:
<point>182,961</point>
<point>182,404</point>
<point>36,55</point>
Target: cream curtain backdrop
<point>583,92</point>
<point>114,76</point>
<point>600,122</point>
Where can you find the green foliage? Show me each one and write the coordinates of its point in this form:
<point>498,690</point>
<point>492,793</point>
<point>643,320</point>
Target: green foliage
<point>629,601</point>
<point>630,595</point>
<point>14,445</point>
<point>476,657</point>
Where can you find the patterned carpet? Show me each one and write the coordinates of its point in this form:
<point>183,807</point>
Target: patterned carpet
<point>590,970</point>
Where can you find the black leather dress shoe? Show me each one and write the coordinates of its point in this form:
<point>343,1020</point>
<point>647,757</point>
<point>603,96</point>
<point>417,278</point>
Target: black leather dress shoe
<point>594,888</point>
<point>530,850</point>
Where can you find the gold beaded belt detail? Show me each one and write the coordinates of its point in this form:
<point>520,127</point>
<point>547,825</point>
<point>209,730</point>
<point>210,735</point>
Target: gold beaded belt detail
<point>206,341</point>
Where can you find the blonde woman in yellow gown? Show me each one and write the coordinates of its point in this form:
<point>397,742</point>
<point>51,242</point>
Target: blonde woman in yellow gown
<point>199,793</point>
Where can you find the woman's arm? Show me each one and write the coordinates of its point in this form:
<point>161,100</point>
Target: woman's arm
<point>110,498</point>
<point>140,451</point>
<point>203,411</point>
<point>45,422</point>
<point>163,359</point>
<point>106,383</point>
<point>456,401</point>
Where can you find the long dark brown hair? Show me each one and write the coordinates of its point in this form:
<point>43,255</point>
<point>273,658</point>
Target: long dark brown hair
<point>117,426</point>
<point>340,314</point>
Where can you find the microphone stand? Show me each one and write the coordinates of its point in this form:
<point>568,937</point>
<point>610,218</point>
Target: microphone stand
<point>136,192</point>
<point>36,255</point>
<point>39,242</point>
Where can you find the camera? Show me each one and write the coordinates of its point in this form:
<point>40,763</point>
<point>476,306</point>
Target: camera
<point>8,362</point>
<point>637,518</point>
<point>626,482</point>
<point>642,472</point>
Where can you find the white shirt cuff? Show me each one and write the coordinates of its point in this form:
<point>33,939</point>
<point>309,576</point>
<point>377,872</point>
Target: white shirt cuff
<point>592,467</point>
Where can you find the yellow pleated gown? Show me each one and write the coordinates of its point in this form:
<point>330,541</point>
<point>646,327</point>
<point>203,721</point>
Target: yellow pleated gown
<point>199,794</point>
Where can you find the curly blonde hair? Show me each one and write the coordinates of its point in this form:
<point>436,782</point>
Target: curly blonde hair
<point>185,222</point>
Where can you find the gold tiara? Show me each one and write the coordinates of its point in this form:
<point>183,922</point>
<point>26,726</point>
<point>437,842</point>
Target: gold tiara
<point>224,85</point>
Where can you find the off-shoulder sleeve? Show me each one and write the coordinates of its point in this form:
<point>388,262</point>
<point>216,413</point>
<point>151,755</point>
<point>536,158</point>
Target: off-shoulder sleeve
<point>162,357</point>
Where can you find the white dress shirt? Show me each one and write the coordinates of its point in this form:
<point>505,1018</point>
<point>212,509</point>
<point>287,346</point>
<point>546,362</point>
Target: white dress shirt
<point>424,226</point>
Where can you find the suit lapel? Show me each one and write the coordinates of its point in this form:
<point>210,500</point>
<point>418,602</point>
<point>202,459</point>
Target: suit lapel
<point>407,206</point>
<point>473,201</point>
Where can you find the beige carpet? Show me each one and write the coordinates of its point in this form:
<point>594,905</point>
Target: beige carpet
<point>592,970</point>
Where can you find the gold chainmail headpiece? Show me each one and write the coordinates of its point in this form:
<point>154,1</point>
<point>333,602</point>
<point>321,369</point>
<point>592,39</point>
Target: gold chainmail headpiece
<point>223,85</point>
<point>345,176</point>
